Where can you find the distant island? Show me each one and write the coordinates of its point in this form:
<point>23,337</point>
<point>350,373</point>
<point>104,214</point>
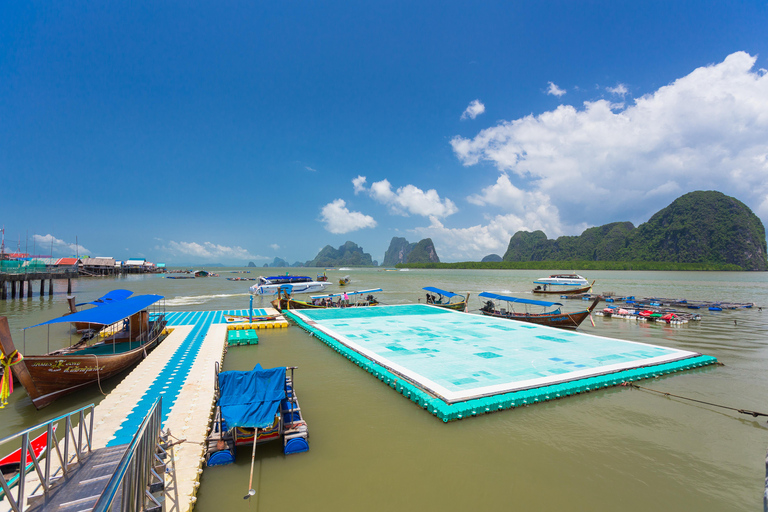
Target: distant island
<point>703,230</point>
<point>400,251</point>
<point>347,255</point>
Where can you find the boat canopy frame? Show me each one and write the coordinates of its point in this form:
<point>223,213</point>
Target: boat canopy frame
<point>506,298</point>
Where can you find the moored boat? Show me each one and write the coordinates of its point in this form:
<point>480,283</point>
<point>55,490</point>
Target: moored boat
<point>562,284</point>
<point>128,333</point>
<point>294,287</point>
<point>259,405</point>
<point>354,299</point>
<point>446,299</point>
<point>554,318</point>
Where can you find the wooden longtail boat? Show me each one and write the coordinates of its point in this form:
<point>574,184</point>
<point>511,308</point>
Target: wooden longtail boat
<point>554,318</point>
<point>544,290</point>
<point>127,338</point>
<point>327,301</point>
<point>445,298</point>
<point>10,465</point>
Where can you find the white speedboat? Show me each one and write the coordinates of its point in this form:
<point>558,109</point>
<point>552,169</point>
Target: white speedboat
<point>292,288</point>
<point>563,280</point>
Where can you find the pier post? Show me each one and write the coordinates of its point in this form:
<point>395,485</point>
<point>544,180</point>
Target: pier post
<point>69,286</point>
<point>13,289</point>
<point>3,292</point>
<point>50,286</point>
<point>21,289</point>
<point>42,287</point>
<point>29,289</point>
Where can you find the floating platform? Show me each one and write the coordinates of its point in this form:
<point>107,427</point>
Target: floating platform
<point>237,337</point>
<point>457,365</point>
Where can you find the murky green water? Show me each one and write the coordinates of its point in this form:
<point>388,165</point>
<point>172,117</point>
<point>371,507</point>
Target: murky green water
<point>372,449</point>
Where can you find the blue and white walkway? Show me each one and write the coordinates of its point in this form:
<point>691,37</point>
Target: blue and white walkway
<point>181,370</point>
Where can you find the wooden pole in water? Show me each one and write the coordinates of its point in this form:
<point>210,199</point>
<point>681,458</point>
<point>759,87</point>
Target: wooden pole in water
<point>251,490</point>
<point>50,287</point>
<point>42,287</point>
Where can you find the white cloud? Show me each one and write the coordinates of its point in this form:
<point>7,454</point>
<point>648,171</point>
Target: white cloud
<point>209,250</point>
<point>310,169</point>
<point>338,219</point>
<point>359,184</point>
<point>409,199</point>
<point>274,246</point>
<point>554,90</point>
<point>619,90</point>
<point>606,162</point>
<point>58,247</point>
<point>474,109</point>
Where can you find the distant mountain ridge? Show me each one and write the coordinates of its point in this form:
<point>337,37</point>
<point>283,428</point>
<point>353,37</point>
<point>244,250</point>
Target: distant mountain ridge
<point>698,227</point>
<point>401,251</point>
<point>348,254</point>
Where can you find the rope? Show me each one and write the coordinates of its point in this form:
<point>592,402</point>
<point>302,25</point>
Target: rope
<point>98,375</point>
<point>6,380</point>
<point>754,414</point>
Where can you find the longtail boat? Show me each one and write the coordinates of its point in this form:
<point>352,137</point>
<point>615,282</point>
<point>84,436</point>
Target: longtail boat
<point>127,335</point>
<point>549,290</point>
<point>554,318</point>
<point>10,465</point>
<point>446,300</point>
<point>327,301</point>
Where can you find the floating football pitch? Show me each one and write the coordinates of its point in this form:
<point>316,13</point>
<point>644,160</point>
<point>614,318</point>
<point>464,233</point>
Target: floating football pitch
<point>457,364</point>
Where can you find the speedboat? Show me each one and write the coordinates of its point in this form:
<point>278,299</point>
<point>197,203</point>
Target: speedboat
<point>562,283</point>
<point>292,288</point>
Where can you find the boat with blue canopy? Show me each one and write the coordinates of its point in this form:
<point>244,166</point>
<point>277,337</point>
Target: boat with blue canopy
<point>260,404</point>
<point>128,331</point>
<point>330,300</point>
<point>553,318</point>
<point>446,299</point>
<point>109,298</point>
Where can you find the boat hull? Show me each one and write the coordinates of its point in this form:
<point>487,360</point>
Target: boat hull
<point>560,320</point>
<point>51,376</point>
<point>572,291</point>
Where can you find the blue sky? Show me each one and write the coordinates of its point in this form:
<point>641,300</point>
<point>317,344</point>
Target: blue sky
<point>241,131</point>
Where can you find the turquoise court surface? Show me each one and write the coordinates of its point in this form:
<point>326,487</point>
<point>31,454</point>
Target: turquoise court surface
<point>457,364</point>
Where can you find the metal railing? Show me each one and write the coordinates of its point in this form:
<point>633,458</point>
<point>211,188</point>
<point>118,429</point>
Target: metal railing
<point>48,470</point>
<point>132,476</point>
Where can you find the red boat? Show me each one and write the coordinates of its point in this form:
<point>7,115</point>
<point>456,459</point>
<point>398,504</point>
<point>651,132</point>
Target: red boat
<point>10,465</point>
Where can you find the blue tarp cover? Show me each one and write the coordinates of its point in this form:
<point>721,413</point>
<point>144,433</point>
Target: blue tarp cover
<point>441,292</point>
<point>251,399</point>
<point>520,301</point>
<point>110,297</point>
<point>108,313</point>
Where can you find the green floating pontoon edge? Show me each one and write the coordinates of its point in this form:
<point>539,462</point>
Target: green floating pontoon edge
<point>476,406</point>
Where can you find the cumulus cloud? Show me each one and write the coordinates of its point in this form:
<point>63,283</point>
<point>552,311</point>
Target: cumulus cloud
<point>209,250</point>
<point>339,220</point>
<point>607,162</point>
<point>359,184</point>
<point>274,246</point>
<point>408,199</point>
<point>57,246</point>
<point>619,90</point>
<point>554,90</point>
<point>474,109</point>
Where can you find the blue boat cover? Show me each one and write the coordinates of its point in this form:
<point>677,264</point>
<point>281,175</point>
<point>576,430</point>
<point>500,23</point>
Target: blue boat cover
<point>251,399</point>
<point>108,313</point>
<point>109,298</point>
<point>520,301</point>
<point>441,292</point>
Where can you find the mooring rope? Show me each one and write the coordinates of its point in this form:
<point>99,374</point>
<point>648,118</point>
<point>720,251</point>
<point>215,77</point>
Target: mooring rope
<point>754,414</point>
<point>98,375</point>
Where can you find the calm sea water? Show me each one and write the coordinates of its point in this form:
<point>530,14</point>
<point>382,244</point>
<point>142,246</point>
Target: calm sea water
<point>372,449</point>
